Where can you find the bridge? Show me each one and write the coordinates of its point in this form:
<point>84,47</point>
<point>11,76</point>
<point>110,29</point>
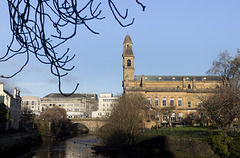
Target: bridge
<point>93,125</point>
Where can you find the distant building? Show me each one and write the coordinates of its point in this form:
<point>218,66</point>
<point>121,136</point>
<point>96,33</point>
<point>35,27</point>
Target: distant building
<point>31,103</point>
<point>76,105</point>
<point>13,105</point>
<point>170,99</point>
<point>106,102</point>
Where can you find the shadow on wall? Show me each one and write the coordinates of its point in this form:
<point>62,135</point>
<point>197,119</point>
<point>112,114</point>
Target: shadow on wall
<point>78,129</point>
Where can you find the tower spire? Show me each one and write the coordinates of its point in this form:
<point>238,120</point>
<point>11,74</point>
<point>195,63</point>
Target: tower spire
<point>128,60</point>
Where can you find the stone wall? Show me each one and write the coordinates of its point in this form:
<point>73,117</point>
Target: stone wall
<point>188,147</point>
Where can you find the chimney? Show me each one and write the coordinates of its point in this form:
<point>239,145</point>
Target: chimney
<point>1,86</point>
<point>142,81</point>
<point>184,82</point>
<point>18,92</point>
<point>15,93</point>
<point>194,83</point>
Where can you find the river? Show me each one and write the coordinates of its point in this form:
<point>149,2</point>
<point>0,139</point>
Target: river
<point>70,148</point>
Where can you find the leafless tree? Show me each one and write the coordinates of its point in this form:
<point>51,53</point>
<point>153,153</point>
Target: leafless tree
<point>31,23</point>
<point>53,123</point>
<point>124,122</point>
<point>223,106</point>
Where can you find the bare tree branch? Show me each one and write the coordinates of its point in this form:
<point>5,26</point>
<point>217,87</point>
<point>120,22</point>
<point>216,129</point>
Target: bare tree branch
<point>30,21</point>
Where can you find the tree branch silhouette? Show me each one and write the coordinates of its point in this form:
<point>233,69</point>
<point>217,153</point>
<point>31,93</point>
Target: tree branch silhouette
<point>29,22</point>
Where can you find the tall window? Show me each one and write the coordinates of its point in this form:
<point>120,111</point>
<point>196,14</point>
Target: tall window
<point>171,101</point>
<point>172,117</point>
<point>156,102</point>
<point>164,118</point>
<point>157,116</point>
<point>128,62</point>
<point>189,104</point>
<point>180,117</point>
<point>148,102</point>
<point>179,101</point>
<point>199,104</point>
<point>164,102</point>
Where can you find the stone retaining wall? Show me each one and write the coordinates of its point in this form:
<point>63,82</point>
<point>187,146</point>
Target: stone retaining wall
<point>188,147</point>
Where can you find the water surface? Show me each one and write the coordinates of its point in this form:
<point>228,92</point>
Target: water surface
<point>70,148</point>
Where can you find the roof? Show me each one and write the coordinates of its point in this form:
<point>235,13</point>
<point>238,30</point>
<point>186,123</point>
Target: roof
<point>128,51</point>
<point>75,95</point>
<point>8,93</point>
<point>177,78</point>
<point>127,39</point>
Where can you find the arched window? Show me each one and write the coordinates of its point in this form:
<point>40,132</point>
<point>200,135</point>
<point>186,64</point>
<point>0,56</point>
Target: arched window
<point>129,63</point>
<point>189,86</point>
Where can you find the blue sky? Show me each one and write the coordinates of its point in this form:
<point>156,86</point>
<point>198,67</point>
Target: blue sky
<point>177,37</point>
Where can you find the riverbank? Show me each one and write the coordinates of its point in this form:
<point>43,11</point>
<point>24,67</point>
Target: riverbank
<point>16,142</point>
<point>160,146</point>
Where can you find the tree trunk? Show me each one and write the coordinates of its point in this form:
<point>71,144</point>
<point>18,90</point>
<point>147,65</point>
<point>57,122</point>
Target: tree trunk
<point>225,128</point>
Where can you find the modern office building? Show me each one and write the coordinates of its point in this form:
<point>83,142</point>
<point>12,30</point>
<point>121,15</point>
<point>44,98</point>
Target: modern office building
<point>106,102</point>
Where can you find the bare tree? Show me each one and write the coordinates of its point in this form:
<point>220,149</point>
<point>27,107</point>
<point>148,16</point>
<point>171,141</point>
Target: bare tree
<point>124,122</point>
<point>222,66</point>
<point>53,123</point>
<point>30,23</point>
<point>223,106</point>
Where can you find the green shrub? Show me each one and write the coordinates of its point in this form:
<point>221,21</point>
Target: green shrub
<point>225,146</point>
<point>234,148</point>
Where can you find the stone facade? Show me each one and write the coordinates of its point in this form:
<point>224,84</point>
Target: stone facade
<point>13,105</point>
<point>76,105</point>
<point>31,103</point>
<point>170,99</point>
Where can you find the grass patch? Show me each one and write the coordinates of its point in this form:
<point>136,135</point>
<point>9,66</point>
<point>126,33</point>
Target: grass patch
<point>196,131</point>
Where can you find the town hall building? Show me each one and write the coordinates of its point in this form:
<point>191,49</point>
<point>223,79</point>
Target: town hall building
<point>170,99</point>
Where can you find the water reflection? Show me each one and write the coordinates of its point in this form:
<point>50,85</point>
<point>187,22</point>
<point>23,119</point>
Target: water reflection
<point>71,148</point>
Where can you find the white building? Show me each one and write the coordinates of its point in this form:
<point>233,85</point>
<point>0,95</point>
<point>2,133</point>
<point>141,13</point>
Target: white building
<point>106,102</point>
<point>13,105</point>
<point>76,105</point>
<point>31,103</point>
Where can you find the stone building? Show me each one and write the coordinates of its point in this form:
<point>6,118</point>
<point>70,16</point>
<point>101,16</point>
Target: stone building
<point>170,99</point>
<point>76,105</point>
<point>31,103</point>
<point>106,102</point>
<point>13,105</point>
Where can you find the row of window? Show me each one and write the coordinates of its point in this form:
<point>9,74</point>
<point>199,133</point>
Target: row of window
<point>68,105</point>
<point>31,102</point>
<point>164,102</point>
<point>102,114</point>
<point>107,109</point>
<point>109,100</point>
<point>173,117</point>
<point>107,105</point>
<point>71,109</point>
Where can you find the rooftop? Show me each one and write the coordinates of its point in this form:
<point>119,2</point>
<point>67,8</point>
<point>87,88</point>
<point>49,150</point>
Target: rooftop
<point>177,78</point>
